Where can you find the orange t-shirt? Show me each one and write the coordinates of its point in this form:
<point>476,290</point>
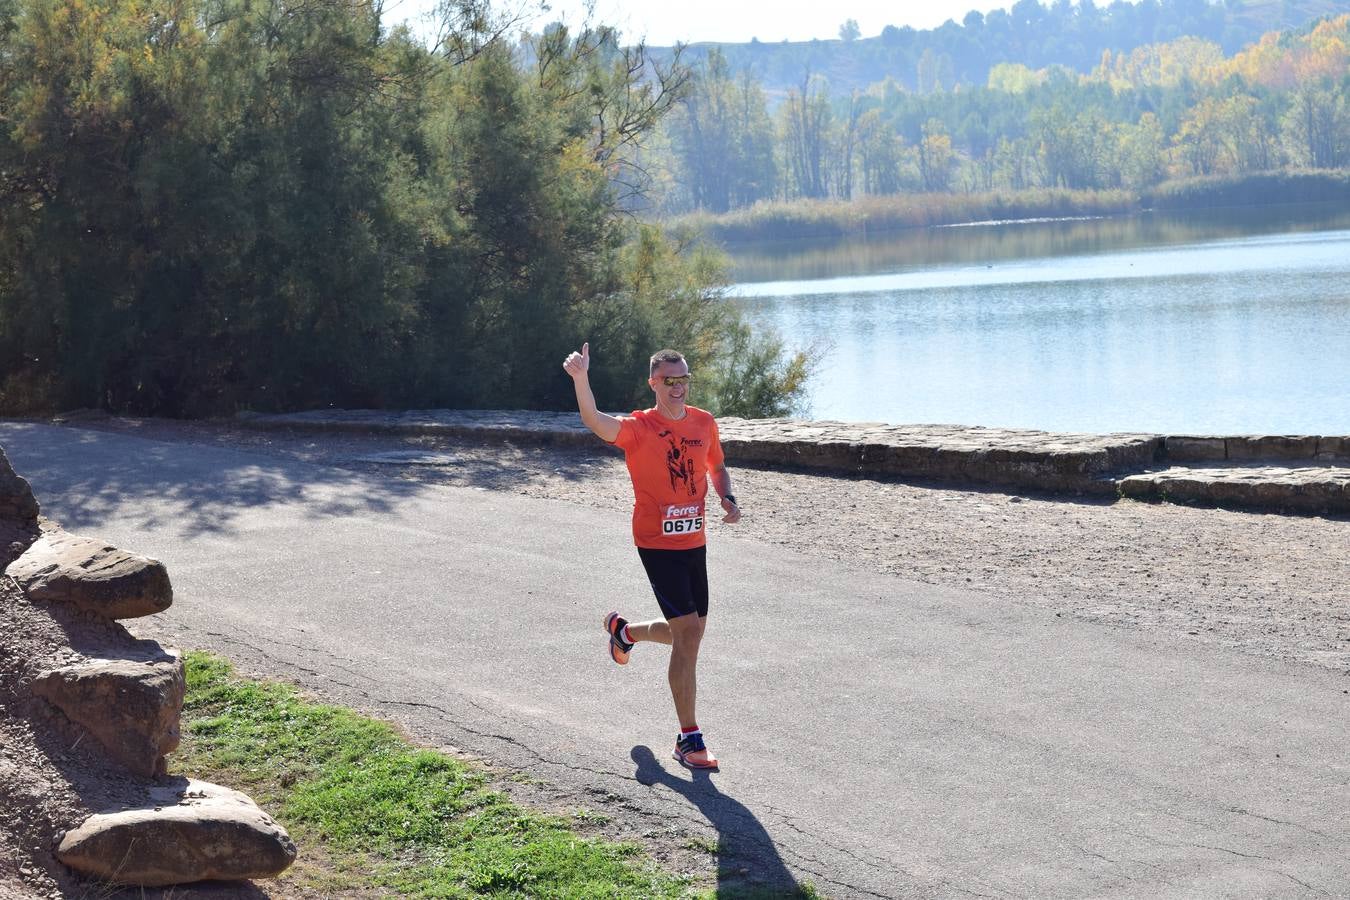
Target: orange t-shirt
<point>669,464</point>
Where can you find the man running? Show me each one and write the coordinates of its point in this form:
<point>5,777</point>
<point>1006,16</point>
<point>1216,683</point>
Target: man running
<point>671,450</point>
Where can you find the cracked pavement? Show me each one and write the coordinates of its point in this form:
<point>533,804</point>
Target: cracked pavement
<point>880,737</point>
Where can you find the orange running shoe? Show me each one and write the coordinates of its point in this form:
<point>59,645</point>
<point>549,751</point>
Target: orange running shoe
<point>691,752</point>
<point>618,647</point>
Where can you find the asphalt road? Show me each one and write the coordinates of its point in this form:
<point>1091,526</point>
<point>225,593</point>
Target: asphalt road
<point>879,737</point>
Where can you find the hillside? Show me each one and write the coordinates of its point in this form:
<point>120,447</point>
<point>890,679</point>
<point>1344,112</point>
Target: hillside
<point>1064,33</point>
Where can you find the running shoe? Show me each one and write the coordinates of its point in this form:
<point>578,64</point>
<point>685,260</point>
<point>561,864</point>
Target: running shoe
<point>690,752</point>
<point>618,647</point>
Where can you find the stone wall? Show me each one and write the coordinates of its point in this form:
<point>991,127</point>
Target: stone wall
<point>1008,457</point>
<point>1242,448</point>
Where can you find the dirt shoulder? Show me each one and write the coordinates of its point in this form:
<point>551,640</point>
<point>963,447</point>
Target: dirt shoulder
<point>1268,584</point>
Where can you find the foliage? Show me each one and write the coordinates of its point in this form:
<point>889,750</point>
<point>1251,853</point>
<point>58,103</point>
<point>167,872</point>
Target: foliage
<point>1164,111</point>
<point>966,52</point>
<point>724,139</point>
<point>1272,187</point>
<point>274,204</point>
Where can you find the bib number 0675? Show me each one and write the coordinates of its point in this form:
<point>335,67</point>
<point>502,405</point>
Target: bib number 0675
<point>682,526</point>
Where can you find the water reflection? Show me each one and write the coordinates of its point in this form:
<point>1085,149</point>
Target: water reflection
<point>1226,334</point>
<point>983,244</point>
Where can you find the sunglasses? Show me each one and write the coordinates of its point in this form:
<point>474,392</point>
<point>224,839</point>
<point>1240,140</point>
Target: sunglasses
<point>672,380</point>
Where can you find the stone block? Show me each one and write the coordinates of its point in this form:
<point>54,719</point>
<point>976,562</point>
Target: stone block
<point>133,708</point>
<point>1186,486</point>
<point>1187,448</point>
<point>1272,446</point>
<point>1138,487</point>
<point>179,833</point>
<point>94,576</point>
<point>1233,492</point>
<point>1334,447</point>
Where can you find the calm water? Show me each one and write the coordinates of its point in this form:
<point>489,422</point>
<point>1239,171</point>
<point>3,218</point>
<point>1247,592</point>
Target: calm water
<point>1168,324</point>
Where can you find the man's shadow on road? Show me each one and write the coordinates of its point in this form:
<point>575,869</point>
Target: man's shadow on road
<point>748,864</point>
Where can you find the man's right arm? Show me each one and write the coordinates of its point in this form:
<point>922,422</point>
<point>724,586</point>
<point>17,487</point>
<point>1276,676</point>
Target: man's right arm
<point>578,365</point>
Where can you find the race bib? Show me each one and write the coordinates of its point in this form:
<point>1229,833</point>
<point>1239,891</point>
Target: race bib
<point>682,519</point>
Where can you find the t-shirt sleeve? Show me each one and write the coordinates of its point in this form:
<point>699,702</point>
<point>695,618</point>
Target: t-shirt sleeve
<point>715,457</point>
<point>629,433</point>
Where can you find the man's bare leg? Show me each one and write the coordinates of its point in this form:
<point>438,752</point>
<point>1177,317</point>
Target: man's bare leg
<point>686,634</point>
<point>657,630</point>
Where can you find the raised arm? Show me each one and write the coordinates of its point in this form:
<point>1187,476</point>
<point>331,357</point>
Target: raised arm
<point>578,365</point>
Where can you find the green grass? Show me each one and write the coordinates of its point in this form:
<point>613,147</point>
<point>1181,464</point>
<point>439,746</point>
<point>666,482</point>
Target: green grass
<point>373,814</point>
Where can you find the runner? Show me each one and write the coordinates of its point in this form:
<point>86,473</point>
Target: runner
<point>671,450</point>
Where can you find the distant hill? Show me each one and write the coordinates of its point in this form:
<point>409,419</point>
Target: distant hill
<point>1064,33</point>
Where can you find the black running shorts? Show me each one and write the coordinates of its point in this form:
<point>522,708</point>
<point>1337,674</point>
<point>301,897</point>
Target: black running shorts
<point>679,579</point>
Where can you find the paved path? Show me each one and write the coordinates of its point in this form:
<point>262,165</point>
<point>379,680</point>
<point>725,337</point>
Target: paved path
<point>880,737</point>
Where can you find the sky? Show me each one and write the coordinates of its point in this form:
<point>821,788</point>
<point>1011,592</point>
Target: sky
<point>663,22</point>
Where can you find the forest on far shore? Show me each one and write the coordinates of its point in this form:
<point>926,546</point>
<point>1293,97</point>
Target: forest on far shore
<point>1169,111</point>
<point>1133,122</point>
<point>1036,34</point>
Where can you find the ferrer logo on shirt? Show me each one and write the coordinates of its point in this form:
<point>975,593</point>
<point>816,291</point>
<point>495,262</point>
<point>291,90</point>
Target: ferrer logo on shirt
<point>682,519</point>
<point>679,464</point>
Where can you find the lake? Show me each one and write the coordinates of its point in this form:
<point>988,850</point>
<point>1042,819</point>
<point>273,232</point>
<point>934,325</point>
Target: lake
<point>1228,322</point>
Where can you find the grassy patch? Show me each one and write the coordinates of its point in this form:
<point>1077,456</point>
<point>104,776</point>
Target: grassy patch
<point>866,215</point>
<point>373,814</point>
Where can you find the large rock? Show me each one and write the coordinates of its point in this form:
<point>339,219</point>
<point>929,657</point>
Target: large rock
<point>182,832</point>
<point>92,575</point>
<point>16,497</point>
<point>133,708</point>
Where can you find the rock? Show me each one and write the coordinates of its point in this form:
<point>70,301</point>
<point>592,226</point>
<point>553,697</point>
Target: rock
<point>92,575</point>
<point>16,497</point>
<point>183,831</point>
<point>133,708</point>
<point>1272,446</point>
<point>1188,448</point>
<point>1337,447</point>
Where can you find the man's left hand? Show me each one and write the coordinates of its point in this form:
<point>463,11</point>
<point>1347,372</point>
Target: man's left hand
<point>733,512</point>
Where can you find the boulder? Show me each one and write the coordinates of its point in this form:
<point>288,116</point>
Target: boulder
<point>16,497</point>
<point>183,831</point>
<point>133,708</point>
<point>92,575</point>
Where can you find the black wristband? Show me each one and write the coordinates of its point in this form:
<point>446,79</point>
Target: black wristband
<point>730,498</point>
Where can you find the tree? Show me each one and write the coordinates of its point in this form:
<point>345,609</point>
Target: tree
<point>1140,152</point>
<point>1317,125</point>
<point>880,151</point>
<point>849,31</point>
<point>935,156</point>
<point>212,205</point>
<point>806,121</point>
<point>723,138</point>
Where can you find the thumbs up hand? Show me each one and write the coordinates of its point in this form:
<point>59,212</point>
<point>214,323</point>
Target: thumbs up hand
<point>578,364</point>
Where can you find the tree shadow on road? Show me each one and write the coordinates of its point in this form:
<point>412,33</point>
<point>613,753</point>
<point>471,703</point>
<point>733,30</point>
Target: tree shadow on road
<point>748,864</point>
<point>202,489</point>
